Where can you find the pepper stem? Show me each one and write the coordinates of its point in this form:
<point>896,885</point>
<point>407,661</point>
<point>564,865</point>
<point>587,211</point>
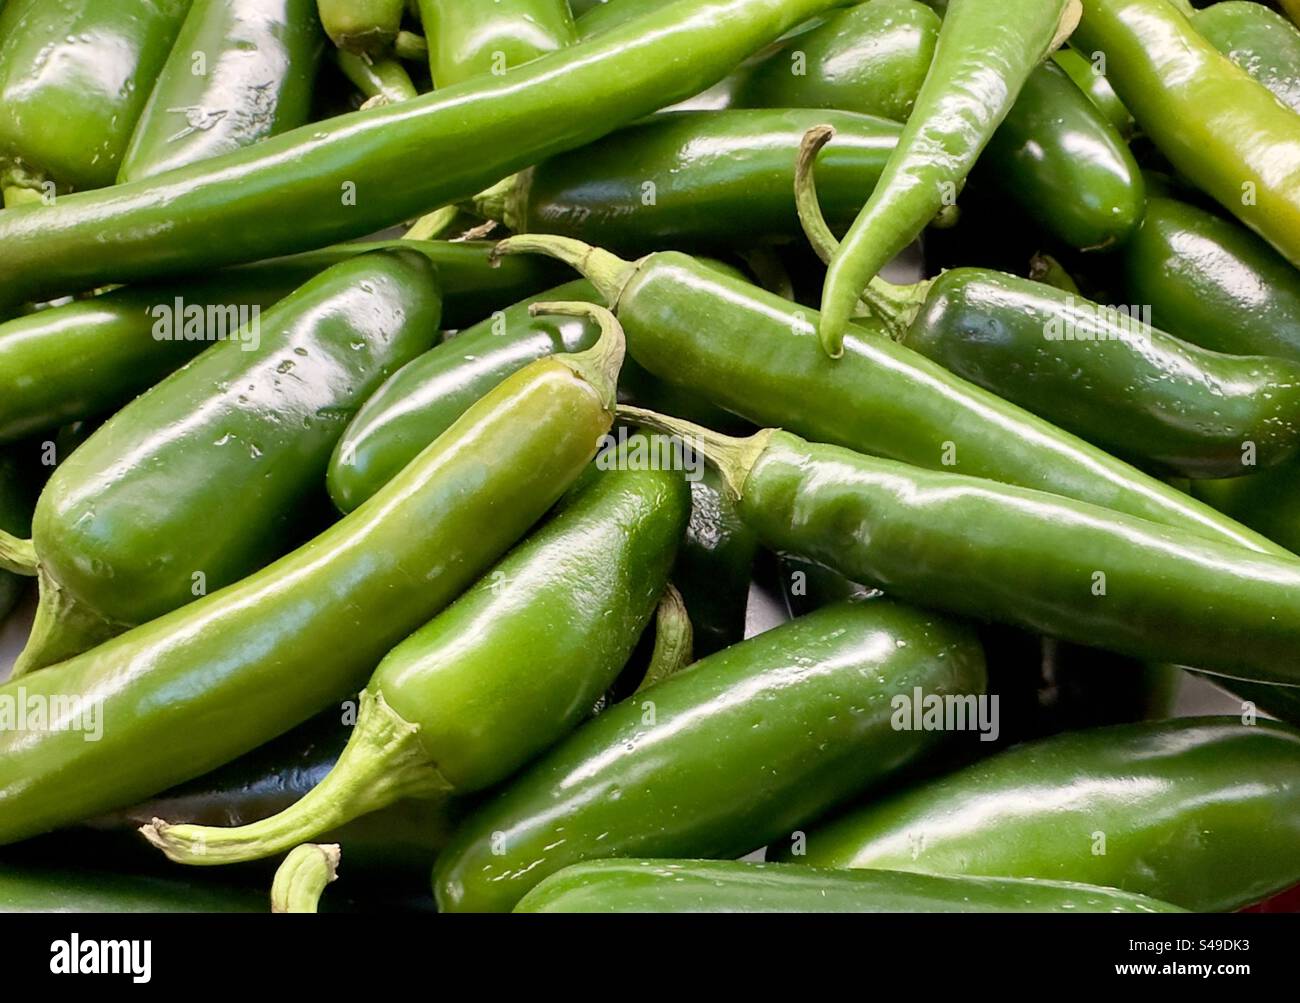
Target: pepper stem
<point>17,555</point>
<point>433,225</point>
<point>64,626</point>
<point>302,878</point>
<point>733,457</point>
<point>607,272</point>
<point>383,762</point>
<point>600,364</point>
<point>499,202</point>
<point>1071,15</point>
<point>674,639</point>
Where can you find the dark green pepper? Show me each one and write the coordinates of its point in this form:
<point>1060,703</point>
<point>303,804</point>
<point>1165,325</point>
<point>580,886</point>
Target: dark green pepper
<point>734,886</point>
<point>240,70</point>
<point>1259,40</point>
<point>1200,812</point>
<point>24,888</point>
<point>124,530</point>
<point>223,675</point>
<point>471,39</point>
<point>74,77</point>
<point>760,737</point>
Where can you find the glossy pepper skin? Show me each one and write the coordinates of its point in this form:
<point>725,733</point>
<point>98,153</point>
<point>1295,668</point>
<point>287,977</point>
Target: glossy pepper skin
<point>467,40</point>
<point>985,52</point>
<point>423,398</point>
<point>24,889</point>
<point>1259,40</point>
<point>74,76</point>
<point>1218,127</point>
<point>755,354</point>
<point>318,184</point>
<point>362,26</point>
<point>1212,282</point>
<point>1110,378</point>
<point>239,71</point>
<point>736,886</point>
<point>695,179</point>
<point>1097,87</point>
<point>1200,812</point>
<point>1048,564</point>
<point>124,528</point>
<point>17,499</point>
<point>208,682</point>
<point>461,704</point>
<point>757,738</point>
<point>1265,501</point>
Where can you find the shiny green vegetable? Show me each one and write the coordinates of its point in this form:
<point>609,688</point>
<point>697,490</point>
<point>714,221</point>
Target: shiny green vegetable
<point>74,77</point>
<point>1087,78</point>
<point>733,886</point>
<point>756,354</point>
<point>471,39</point>
<point>985,52</point>
<point>1200,812</point>
<point>212,680</point>
<point>378,78</point>
<point>1259,40</point>
<point>348,177</point>
<point>753,740</point>
<point>240,70</point>
<point>303,877</point>
<point>460,704</point>
<point>25,888</point>
<point>993,551</point>
<point>124,530</point>
<point>362,26</point>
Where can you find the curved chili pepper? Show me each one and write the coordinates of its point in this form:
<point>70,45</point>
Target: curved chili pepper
<point>238,72</point>
<point>460,704</point>
<point>1259,40</point>
<point>212,680</point>
<point>756,739</point>
<point>353,175</point>
<point>993,551</point>
<point>368,27</point>
<point>750,351</point>
<point>74,77</point>
<point>469,40</point>
<point>303,877</point>
<point>712,886</point>
<point>984,54</point>
<point>1200,812</point>
<point>246,429</point>
<point>1218,127</point>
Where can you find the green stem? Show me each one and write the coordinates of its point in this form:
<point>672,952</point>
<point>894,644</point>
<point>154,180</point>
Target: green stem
<point>377,79</point>
<point>433,225</point>
<point>607,272</point>
<point>1047,270</point>
<point>384,762</point>
<point>733,457</point>
<point>17,555</point>
<point>411,47</point>
<point>600,364</point>
<point>500,202</point>
<point>674,639</point>
<point>64,627</point>
<point>301,879</point>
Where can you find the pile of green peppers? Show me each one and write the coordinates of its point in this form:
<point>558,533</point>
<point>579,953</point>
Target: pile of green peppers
<point>480,456</point>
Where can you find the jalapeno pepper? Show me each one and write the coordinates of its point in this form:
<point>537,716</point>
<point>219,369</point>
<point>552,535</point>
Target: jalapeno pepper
<point>1094,84</point>
<point>998,552</point>
<point>238,72</point>
<point>734,886</point>
<point>460,705</point>
<point>1216,125</point>
<point>753,740</point>
<point>353,175</point>
<point>1200,812</point>
<point>1259,40</point>
<point>750,352</point>
<point>246,429</point>
<point>303,877</point>
<point>25,888</point>
<point>212,680</point>
<point>984,54</point>
<point>363,26</point>
<point>469,40</point>
<point>74,77</point>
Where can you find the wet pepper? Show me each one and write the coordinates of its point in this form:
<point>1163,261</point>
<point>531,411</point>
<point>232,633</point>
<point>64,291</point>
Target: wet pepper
<point>1259,40</point>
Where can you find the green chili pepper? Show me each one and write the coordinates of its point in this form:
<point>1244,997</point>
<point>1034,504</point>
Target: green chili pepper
<point>997,552</point>
<point>1265,501</point>
<point>753,740</point>
<point>25,888</point>
<point>17,498</point>
<point>362,26</point>
<point>378,78</point>
<point>1087,78</point>
<point>984,54</point>
<point>734,886</point>
<point>1218,127</point>
<point>1212,282</point>
<point>74,76</point>
<point>753,353</point>
<point>1259,40</point>
<point>303,877</point>
<point>353,175</point>
<point>124,531</point>
<point>699,179</point>
<point>239,72</point>
<point>1200,812</point>
<point>460,705</point>
<point>212,680</point>
<point>469,40</point>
